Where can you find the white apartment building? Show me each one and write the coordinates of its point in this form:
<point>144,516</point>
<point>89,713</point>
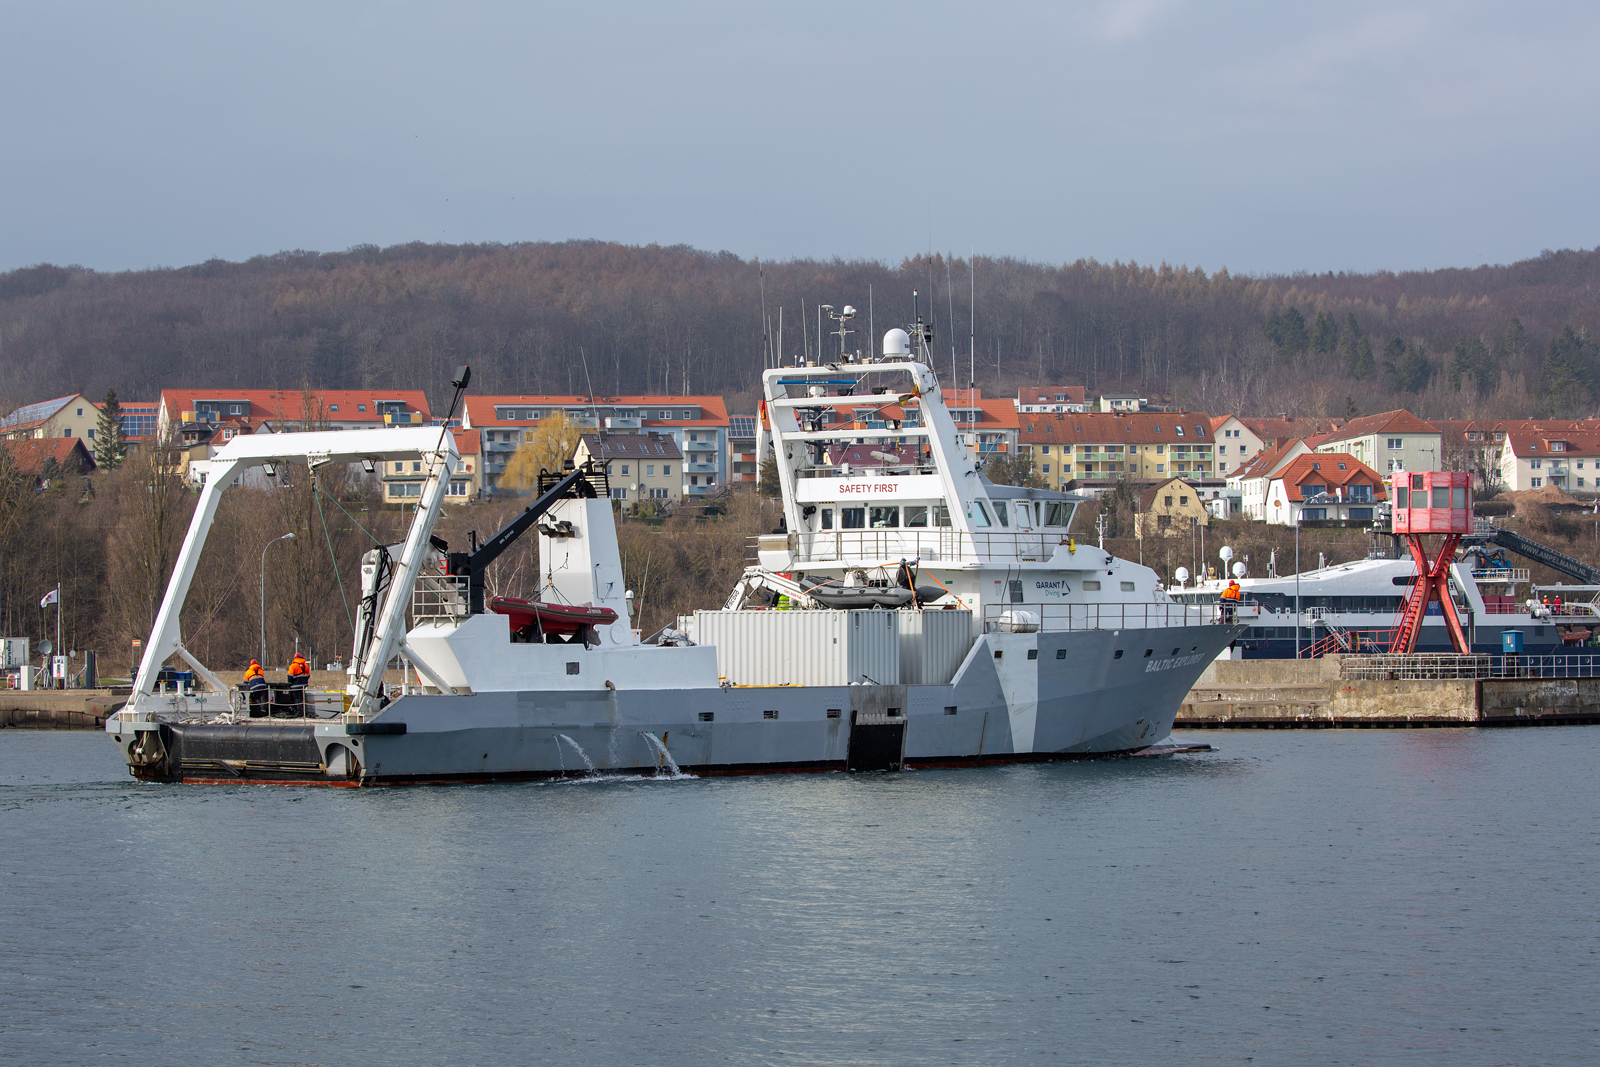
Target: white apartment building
<point>1392,441</point>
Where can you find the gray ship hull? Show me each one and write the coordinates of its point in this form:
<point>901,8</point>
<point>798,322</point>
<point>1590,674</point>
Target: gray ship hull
<point>1017,697</point>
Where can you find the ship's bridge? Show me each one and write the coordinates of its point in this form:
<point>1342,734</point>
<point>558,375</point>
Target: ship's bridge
<point>873,473</point>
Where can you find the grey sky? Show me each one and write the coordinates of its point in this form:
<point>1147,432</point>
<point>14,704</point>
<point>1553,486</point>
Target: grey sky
<point>1261,136</point>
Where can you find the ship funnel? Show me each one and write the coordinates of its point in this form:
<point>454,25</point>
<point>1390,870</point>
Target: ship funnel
<point>897,343</point>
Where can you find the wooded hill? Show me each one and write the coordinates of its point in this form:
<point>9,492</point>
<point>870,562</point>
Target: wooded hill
<point>585,316</point>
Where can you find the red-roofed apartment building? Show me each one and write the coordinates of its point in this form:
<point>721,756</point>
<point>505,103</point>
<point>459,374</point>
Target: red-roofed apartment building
<point>1095,450</point>
<point>281,410</point>
<point>1566,459</point>
<point>200,421</point>
<point>1391,441</point>
<point>697,424</point>
<point>1324,487</point>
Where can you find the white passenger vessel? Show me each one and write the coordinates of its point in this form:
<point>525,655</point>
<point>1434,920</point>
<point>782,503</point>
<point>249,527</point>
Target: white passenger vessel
<point>910,613</point>
<point>1356,606</point>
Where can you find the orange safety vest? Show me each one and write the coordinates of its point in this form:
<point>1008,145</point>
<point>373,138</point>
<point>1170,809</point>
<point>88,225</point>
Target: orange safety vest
<point>252,672</point>
<point>1231,593</point>
<point>299,666</point>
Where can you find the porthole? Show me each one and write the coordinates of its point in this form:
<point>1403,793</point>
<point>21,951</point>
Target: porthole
<point>998,653</point>
<point>1149,652</point>
<point>1061,653</point>
<point>1033,653</point>
<point>1117,656</point>
<point>1174,652</point>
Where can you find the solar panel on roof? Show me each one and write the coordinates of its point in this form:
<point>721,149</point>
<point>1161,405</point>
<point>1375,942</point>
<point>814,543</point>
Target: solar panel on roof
<point>35,412</point>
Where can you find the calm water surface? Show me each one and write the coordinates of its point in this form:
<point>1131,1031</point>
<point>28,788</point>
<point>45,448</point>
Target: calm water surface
<point>1327,897</point>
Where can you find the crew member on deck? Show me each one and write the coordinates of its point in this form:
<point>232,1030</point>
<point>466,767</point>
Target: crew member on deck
<point>299,678</point>
<point>255,686</point>
<point>1230,601</point>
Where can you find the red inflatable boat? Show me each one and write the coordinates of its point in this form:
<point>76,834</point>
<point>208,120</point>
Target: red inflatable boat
<point>550,618</point>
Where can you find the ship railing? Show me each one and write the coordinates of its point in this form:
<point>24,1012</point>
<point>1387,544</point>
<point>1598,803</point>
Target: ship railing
<point>1027,618</point>
<point>933,545</point>
<point>1502,574</point>
<point>439,597</point>
<point>1447,666</point>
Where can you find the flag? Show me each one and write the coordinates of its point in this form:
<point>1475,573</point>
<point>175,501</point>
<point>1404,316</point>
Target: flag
<point>52,597</point>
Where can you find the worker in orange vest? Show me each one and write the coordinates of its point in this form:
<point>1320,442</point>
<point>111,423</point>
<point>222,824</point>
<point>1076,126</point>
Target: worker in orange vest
<point>255,687</point>
<point>299,678</point>
<point>1230,600</point>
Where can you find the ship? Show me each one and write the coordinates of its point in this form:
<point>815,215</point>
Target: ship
<point>907,613</point>
<point>1356,606</point>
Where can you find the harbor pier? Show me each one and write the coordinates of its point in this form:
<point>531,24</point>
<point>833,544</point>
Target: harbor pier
<point>1392,692</point>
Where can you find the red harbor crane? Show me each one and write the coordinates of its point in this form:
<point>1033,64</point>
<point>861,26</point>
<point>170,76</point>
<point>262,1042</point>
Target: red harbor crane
<point>1431,502</point>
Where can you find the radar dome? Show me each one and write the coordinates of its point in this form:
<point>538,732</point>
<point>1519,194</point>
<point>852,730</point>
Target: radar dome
<point>897,343</point>
<point>1239,569</point>
<point>1182,574</point>
<point>1226,553</point>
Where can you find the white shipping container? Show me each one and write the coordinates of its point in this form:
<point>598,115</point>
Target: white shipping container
<point>13,651</point>
<point>803,647</point>
<point>932,645</point>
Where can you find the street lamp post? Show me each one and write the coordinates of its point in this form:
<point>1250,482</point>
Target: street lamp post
<point>286,537</point>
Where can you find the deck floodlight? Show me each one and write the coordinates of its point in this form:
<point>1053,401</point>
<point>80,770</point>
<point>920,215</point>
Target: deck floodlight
<point>272,470</point>
<point>369,466</point>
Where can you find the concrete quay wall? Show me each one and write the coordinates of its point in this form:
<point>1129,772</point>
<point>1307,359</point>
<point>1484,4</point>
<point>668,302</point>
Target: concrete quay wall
<point>1290,694</point>
<point>59,709</point>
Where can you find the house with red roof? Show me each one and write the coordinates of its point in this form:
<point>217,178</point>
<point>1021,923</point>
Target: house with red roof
<point>64,416</point>
<point>1033,399</point>
<point>1253,481</point>
<point>698,425</point>
<point>1324,487</point>
<point>42,458</point>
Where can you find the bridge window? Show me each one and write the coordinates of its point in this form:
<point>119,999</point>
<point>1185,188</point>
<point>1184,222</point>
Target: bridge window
<point>886,518</point>
<point>853,518</point>
<point>917,515</point>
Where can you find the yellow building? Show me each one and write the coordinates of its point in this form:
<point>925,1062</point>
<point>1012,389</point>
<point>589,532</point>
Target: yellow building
<point>1171,509</point>
<point>65,416</point>
<point>639,466</point>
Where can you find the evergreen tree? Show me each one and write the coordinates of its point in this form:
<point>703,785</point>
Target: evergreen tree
<point>110,443</point>
<point>767,483</point>
<point>1516,338</point>
<point>1565,375</point>
<point>1292,336</point>
<point>1324,334</point>
<point>1361,363</point>
<point>1274,327</point>
<point>1352,328</point>
<point>1393,353</point>
<point>1413,371</point>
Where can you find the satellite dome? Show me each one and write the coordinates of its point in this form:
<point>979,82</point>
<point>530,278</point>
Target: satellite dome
<point>1182,574</point>
<point>897,343</point>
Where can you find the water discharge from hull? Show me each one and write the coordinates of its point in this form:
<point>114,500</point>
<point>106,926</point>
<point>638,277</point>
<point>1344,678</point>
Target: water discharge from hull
<point>587,762</point>
<point>663,757</point>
